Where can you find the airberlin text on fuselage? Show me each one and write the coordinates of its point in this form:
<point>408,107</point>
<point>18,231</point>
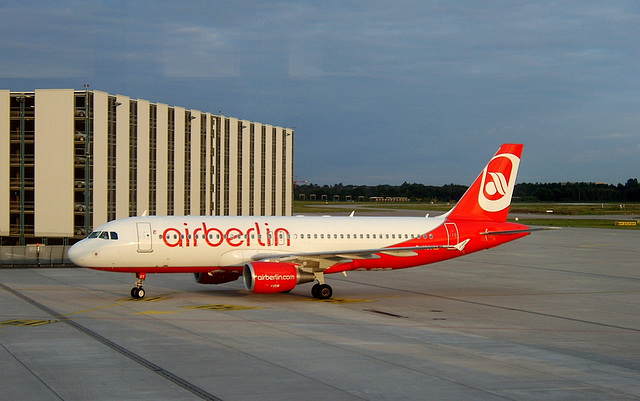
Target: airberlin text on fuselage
<point>258,235</point>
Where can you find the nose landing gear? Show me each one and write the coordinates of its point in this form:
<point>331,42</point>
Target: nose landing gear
<point>137,292</point>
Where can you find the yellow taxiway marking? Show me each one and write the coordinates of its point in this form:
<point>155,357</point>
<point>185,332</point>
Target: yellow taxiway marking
<point>154,312</point>
<point>26,322</point>
<point>145,299</point>
<point>339,300</point>
<point>222,307</point>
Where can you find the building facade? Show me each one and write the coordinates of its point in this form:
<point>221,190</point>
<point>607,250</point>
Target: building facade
<point>71,160</point>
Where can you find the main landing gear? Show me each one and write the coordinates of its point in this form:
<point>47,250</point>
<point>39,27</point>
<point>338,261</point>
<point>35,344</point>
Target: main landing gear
<point>321,291</point>
<point>137,292</point>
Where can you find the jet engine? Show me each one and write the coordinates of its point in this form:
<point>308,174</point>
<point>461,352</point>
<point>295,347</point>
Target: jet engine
<point>270,277</point>
<point>216,277</point>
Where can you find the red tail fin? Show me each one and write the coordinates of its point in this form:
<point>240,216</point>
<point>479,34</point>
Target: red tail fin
<point>489,197</point>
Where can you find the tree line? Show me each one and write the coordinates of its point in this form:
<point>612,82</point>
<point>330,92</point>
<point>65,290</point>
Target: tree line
<point>525,192</point>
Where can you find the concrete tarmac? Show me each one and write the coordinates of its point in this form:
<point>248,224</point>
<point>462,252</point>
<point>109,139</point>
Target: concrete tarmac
<point>553,316</point>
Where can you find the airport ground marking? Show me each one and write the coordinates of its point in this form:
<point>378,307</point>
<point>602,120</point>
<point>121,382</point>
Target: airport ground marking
<point>154,312</point>
<point>339,300</point>
<point>26,322</point>
<point>386,313</point>
<point>179,381</point>
<point>221,307</point>
<point>145,299</point>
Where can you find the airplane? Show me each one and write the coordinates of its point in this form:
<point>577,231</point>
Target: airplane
<point>274,254</point>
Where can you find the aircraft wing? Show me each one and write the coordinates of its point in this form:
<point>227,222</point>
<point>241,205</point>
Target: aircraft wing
<point>344,256</point>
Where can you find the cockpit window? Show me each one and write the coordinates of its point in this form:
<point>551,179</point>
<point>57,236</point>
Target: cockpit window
<point>104,235</point>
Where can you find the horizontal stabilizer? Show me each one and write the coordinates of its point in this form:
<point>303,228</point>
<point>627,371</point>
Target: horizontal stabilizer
<point>523,231</point>
<point>460,246</point>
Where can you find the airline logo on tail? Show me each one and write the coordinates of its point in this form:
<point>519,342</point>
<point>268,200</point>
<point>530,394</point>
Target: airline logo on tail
<point>498,181</point>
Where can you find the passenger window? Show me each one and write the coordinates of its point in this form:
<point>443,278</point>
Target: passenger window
<point>114,235</point>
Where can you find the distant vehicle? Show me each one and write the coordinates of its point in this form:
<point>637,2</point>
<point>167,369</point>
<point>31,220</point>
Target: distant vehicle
<point>274,254</point>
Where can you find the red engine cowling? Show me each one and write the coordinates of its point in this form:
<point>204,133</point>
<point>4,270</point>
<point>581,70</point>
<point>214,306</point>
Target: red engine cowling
<point>216,277</point>
<point>270,277</point>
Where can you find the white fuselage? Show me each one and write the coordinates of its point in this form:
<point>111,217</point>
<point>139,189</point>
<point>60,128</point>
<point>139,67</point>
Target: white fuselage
<point>207,241</point>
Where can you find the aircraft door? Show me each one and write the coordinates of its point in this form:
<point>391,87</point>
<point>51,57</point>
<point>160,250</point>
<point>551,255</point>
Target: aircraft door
<point>144,237</point>
<point>452,233</point>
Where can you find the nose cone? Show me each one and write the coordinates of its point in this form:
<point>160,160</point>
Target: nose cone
<point>79,254</point>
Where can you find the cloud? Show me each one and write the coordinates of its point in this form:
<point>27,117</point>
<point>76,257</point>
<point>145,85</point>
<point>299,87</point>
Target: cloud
<point>199,52</point>
<point>375,91</point>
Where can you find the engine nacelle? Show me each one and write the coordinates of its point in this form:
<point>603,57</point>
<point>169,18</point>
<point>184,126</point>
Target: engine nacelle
<point>216,277</point>
<point>270,277</point>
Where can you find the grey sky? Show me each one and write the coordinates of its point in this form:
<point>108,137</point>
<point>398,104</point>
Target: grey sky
<point>379,92</point>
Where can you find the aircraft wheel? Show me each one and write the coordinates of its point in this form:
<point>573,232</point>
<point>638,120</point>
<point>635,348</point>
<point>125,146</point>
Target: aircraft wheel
<point>324,291</point>
<point>137,292</point>
<point>314,290</point>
